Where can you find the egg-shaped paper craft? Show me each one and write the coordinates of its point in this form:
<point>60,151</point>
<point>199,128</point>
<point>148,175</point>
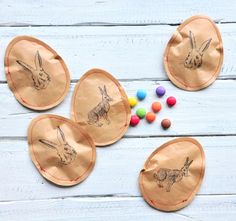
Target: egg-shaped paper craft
<point>100,106</point>
<point>194,54</point>
<point>36,74</point>
<point>61,150</point>
<point>173,174</point>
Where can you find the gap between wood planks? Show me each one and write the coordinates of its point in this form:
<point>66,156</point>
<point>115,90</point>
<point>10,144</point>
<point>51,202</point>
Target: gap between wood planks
<point>109,196</point>
<point>6,138</point>
<point>222,78</point>
<point>101,24</point>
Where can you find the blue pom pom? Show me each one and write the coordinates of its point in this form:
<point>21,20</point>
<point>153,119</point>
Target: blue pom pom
<point>141,94</point>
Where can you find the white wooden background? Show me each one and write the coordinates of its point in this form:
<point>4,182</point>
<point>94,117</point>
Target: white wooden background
<point>126,38</point>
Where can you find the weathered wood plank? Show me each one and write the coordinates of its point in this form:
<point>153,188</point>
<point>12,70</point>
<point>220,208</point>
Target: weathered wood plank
<point>207,112</point>
<point>95,12</point>
<point>205,208</point>
<point>116,170</point>
<point>127,52</point>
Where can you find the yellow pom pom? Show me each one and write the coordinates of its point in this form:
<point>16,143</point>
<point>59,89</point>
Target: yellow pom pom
<point>132,101</point>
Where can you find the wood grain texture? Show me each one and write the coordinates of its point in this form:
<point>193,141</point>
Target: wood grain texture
<point>207,112</point>
<point>127,52</point>
<point>128,39</point>
<point>116,12</point>
<point>205,208</point>
<point>116,171</point>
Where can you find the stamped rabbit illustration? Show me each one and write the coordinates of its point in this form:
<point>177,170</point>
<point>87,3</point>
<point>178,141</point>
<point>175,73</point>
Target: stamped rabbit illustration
<point>101,110</point>
<point>194,57</point>
<point>40,78</point>
<point>64,150</point>
<point>171,176</point>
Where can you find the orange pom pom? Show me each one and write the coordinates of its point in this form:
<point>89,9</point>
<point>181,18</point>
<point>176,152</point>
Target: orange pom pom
<point>150,117</point>
<point>156,106</point>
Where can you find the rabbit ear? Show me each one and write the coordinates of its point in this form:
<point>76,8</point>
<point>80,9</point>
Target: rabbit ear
<point>192,40</point>
<point>38,61</point>
<point>48,143</point>
<point>60,136</point>
<point>190,163</point>
<point>205,45</point>
<point>105,89</point>
<point>25,66</point>
<point>186,161</point>
<point>101,91</point>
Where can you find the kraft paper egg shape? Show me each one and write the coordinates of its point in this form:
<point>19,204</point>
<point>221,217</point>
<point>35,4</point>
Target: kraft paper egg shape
<point>60,149</point>
<point>194,55</point>
<point>100,106</point>
<point>36,74</point>
<point>172,175</point>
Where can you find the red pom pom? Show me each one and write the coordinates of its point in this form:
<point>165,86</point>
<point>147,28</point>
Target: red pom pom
<point>134,120</point>
<point>171,101</point>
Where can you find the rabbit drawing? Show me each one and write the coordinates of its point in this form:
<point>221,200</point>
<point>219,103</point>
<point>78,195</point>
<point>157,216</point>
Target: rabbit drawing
<point>101,110</point>
<point>194,57</point>
<point>40,78</point>
<point>65,152</point>
<point>170,176</point>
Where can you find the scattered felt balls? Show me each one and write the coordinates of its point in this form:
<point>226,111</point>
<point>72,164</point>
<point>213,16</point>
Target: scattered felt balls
<point>171,101</point>
<point>132,101</point>
<point>141,112</point>
<point>160,91</point>
<point>134,120</point>
<point>165,123</point>
<point>150,117</point>
<point>156,107</point>
<point>141,94</point>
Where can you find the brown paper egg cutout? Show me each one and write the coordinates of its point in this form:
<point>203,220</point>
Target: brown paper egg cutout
<point>100,106</point>
<point>194,55</point>
<point>61,150</point>
<point>172,175</point>
<point>36,74</point>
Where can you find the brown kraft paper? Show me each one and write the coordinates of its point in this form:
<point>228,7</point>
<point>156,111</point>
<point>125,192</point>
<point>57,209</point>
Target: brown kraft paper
<point>61,150</point>
<point>194,54</point>
<point>36,74</point>
<point>172,175</point>
<point>100,106</point>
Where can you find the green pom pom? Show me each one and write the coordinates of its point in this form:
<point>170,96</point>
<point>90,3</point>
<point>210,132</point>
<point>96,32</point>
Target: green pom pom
<point>141,112</point>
